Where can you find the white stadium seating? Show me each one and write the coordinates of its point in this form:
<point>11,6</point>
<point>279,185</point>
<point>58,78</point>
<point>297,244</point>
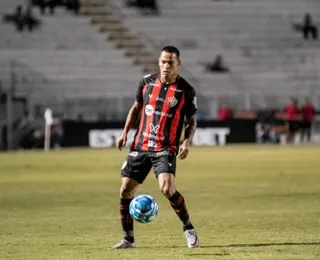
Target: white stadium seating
<point>69,60</point>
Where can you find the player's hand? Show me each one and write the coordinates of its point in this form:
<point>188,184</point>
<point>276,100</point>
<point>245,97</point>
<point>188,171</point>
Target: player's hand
<point>183,151</point>
<point>121,142</point>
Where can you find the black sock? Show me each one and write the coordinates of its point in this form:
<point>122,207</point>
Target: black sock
<point>126,220</point>
<point>186,227</point>
<point>177,202</point>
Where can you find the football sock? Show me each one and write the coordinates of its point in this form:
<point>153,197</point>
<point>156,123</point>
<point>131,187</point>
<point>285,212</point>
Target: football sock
<point>126,220</point>
<point>186,227</point>
<point>177,202</point>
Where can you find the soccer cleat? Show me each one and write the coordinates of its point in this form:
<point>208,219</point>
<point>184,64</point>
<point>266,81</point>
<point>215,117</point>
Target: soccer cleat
<point>192,238</point>
<point>124,244</point>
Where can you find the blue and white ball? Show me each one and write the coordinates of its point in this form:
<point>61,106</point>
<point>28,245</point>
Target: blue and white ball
<point>143,208</point>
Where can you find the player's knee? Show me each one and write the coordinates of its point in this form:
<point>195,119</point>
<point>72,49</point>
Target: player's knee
<point>125,192</point>
<point>167,190</point>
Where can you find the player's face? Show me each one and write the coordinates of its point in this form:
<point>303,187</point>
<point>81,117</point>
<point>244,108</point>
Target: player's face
<point>169,64</point>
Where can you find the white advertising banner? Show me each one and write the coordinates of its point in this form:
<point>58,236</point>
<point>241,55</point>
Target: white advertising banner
<point>107,138</point>
<point>211,136</point>
<point>203,136</point>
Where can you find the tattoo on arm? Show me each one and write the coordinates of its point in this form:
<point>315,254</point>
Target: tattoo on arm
<point>190,128</point>
<point>132,117</point>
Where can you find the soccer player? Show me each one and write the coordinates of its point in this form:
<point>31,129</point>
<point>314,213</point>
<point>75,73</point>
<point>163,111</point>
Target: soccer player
<point>308,113</point>
<point>165,100</point>
<point>291,115</point>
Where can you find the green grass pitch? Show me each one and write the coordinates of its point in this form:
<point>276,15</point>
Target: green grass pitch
<point>246,202</point>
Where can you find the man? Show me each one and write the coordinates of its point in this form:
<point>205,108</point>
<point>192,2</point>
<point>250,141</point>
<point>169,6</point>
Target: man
<point>265,126</point>
<point>291,116</point>
<point>148,6</point>
<point>307,27</point>
<point>19,18</point>
<point>308,112</point>
<point>43,4</point>
<point>224,112</point>
<point>164,100</point>
<point>218,65</point>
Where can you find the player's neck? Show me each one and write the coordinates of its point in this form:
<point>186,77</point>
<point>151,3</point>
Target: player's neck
<point>168,80</point>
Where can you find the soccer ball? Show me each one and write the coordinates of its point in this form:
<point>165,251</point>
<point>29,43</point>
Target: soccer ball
<point>143,208</point>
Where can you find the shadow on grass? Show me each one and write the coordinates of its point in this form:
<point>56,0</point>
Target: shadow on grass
<point>265,244</point>
<point>234,245</point>
<point>195,254</point>
<point>152,247</point>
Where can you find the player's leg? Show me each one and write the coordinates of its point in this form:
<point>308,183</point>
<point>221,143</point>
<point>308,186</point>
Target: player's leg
<point>308,131</point>
<point>127,192</point>
<point>134,170</point>
<point>291,132</point>
<point>164,168</point>
<point>177,202</point>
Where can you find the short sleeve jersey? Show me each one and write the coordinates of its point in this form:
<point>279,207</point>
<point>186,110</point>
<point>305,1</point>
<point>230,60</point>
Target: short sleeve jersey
<point>165,107</point>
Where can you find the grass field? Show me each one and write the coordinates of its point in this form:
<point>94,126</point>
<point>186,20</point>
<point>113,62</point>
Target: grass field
<point>246,202</point>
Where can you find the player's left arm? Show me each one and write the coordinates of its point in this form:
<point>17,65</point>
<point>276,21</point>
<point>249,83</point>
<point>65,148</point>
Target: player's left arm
<point>191,125</point>
<point>190,129</point>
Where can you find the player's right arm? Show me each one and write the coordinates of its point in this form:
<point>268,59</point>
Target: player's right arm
<point>132,117</point>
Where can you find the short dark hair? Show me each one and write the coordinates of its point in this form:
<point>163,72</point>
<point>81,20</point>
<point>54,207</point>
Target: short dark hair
<point>171,49</point>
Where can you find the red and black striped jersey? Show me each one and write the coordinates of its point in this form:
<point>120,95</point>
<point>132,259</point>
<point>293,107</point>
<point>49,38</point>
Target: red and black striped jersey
<point>165,107</point>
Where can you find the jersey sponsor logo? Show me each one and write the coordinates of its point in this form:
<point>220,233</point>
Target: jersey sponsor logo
<point>149,110</point>
<point>163,153</point>
<point>163,114</point>
<point>160,99</point>
<point>134,154</point>
<point>176,89</point>
<point>154,128</point>
<point>152,143</point>
<point>172,101</point>
<point>145,134</point>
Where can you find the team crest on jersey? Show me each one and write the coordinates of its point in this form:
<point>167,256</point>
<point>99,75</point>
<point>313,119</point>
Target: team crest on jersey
<point>172,101</point>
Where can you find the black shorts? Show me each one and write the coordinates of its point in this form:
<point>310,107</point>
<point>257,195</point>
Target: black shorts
<point>306,125</point>
<point>139,163</point>
<point>293,126</point>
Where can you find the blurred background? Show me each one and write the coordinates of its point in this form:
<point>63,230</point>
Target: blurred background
<point>255,65</point>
